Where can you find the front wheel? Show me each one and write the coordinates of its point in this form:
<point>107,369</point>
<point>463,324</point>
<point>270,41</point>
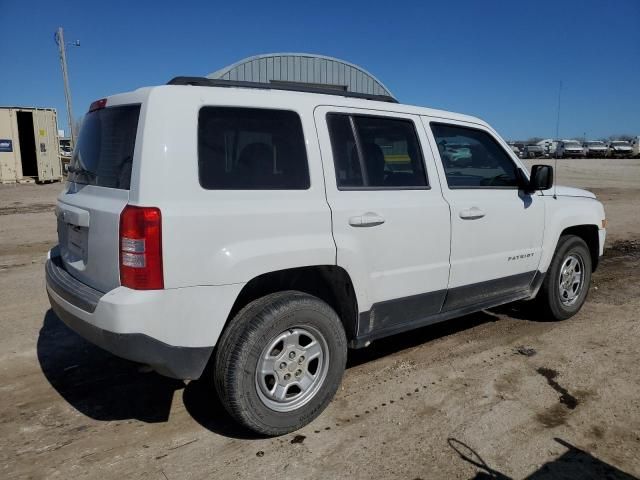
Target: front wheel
<point>280,362</point>
<point>566,284</point>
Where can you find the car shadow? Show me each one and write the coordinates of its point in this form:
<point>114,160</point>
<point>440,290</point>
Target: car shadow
<point>98,384</point>
<point>412,338</point>
<point>573,464</point>
<point>107,388</point>
<point>522,310</point>
<point>203,404</point>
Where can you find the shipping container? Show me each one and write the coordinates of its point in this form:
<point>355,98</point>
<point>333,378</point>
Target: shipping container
<point>29,149</point>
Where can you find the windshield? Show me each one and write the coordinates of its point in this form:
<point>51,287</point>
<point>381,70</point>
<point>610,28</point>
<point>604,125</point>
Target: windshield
<point>104,152</point>
<point>623,144</point>
<point>571,144</point>
<point>595,144</point>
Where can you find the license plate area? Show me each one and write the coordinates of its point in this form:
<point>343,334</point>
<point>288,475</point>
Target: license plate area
<point>76,242</point>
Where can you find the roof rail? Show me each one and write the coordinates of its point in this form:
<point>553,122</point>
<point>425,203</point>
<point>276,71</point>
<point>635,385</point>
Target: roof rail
<point>287,86</point>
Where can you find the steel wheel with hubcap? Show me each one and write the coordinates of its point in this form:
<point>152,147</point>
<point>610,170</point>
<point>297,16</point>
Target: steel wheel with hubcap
<point>280,361</point>
<point>291,368</point>
<point>571,279</point>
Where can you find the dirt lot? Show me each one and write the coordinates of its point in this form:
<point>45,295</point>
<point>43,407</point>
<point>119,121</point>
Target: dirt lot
<point>492,395</point>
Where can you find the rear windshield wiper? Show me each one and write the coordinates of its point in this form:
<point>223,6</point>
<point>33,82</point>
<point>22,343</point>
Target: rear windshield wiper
<point>80,171</point>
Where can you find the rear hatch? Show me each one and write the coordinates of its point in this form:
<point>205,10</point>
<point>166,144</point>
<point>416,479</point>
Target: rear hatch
<point>97,191</point>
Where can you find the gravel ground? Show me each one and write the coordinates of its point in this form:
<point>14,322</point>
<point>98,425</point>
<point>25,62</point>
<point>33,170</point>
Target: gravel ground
<point>498,394</point>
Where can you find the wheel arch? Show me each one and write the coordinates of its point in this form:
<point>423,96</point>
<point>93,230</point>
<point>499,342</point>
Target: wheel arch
<point>588,233</point>
<point>330,283</point>
<point>572,215</point>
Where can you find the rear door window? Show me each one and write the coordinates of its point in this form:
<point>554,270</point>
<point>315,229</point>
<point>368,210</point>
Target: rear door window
<point>251,149</point>
<point>375,152</point>
<point>104,153</point>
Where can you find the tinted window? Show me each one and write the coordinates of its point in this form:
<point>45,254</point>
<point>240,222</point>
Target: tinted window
<point>250,148</point>
<point>473,158</point>
<point>104,152</point>
<point>375,152</point>
<point>343,146</point>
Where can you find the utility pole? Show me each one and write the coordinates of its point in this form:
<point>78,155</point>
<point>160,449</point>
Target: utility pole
<point>59,37</point>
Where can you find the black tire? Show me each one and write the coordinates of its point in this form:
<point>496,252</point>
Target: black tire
<point>241,346</point>
<point>549,298</point>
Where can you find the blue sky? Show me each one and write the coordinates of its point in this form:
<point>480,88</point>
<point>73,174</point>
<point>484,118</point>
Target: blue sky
<point>500,60</point>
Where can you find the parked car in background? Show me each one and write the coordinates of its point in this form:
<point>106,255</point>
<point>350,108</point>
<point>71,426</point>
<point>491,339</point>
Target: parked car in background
<point>569,149</point>
<point>594,149</point>
<point>549,147</point>
<point>533,151</point>
<point>515,149</point>
<point>65,150</point>
<point>635,147</point>
<point>65,153</point>
<point>619,149</point>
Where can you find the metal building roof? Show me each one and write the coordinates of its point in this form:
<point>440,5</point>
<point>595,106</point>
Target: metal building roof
<point>17,107</point>
<point>305,68</point>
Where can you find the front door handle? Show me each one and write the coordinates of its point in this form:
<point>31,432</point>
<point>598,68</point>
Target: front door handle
<point>368,219</point>
<point>472,213</point>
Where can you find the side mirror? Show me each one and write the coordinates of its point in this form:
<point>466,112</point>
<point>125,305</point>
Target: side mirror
<point>541,178</point>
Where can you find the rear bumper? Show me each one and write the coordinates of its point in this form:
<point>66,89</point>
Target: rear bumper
<point>174,330</point>
<point>175,362</point>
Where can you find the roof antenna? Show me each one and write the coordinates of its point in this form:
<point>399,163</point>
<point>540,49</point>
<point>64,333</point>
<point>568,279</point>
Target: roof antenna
<point>555,166</point>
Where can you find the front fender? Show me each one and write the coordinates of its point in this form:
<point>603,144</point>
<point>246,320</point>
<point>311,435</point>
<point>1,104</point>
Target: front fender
<point>566,212</point>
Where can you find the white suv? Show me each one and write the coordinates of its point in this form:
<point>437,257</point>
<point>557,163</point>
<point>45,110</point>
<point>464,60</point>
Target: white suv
<point>265,230</point>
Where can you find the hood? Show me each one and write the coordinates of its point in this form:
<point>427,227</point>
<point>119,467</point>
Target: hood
<point>621,147</point>
<point>563,191</point>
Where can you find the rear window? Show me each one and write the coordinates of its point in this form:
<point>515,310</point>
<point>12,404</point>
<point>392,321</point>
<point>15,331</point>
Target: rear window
<point>251,149</point>
<point>104,152</point>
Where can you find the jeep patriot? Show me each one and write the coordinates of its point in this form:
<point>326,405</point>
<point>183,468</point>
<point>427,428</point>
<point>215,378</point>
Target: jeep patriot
<point>263,231</point>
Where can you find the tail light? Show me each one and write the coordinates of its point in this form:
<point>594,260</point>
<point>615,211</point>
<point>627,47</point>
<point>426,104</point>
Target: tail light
<point>98,105</point>
<point>141,248</point>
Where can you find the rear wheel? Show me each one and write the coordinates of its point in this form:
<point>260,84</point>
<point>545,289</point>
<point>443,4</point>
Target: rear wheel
<point>280,362</point>
<point>566,284</point>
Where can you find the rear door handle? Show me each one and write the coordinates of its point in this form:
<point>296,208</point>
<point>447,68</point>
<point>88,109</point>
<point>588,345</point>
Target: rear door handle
<point>368,219</point>
<point>472,213</point>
